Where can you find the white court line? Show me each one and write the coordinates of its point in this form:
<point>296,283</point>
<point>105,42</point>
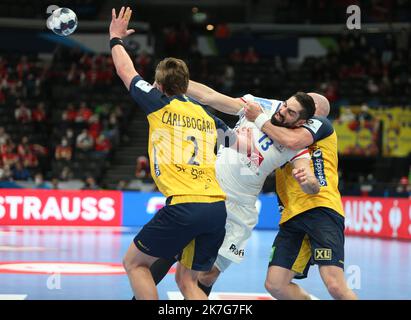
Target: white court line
<point>13,296</point>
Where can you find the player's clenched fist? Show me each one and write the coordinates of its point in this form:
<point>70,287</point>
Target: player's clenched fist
<point>300,175</point>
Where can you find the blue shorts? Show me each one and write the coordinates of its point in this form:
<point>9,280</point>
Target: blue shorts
<point>315,236</point>
<point>191,232</point>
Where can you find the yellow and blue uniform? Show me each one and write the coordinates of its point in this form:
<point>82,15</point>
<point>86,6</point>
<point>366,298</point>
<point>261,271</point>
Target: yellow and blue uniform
<point>182,140</point>
<point>311,226</point>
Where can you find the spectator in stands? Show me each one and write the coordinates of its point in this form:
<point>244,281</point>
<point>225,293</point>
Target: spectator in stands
<point>69,115</point>
<point>122,185</point>
<point>102,147</point>
<point>94,126</point>
<point>23,68</point>
<point>39,113</point>
<point>20,172</point>
<point>73,75</point>
<point>55,183</point>
<point>83,115</point>
<point>66,174</point>
<point>64,151</point>
<point>22,114</point>
<point>4,136</point>
<point>5,173</point>
<point>236,56</point>
<point>228,79</point>
<point>91,184</point>
<point>8,154</point>
<point>71,139</point>
<point>84,141</point>
<point>403,188</point>
<point>26,154</point>
<point>251,56</point>
<point>39,182</point>
<point>142,168</point>
<point>143,62</point>
<point>222,31</point>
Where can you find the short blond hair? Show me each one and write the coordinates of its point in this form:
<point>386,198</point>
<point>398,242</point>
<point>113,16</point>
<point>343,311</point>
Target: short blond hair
<point>173,75</point>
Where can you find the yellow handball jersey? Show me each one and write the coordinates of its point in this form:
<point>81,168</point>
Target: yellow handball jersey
<point>182,141</point>
<point>323,151</point>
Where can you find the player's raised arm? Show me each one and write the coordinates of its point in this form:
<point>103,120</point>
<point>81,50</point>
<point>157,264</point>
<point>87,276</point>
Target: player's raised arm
<point>295,139</point>
<point>118,30</point>
<point>221,102</point>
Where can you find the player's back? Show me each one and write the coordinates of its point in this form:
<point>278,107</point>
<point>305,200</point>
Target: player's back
<point>181,144</point>
<point>324,163</point>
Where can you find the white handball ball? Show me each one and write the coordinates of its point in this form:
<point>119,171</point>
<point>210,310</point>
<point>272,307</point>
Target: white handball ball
<point>63,21</point>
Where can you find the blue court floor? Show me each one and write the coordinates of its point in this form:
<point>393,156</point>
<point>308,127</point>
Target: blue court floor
<point>51,263</point>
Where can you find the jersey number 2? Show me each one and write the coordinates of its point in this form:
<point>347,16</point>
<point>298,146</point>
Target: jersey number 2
<point>192,160</point>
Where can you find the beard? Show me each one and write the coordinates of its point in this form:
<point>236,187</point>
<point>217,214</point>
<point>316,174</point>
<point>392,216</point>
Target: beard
<point>280,122</point>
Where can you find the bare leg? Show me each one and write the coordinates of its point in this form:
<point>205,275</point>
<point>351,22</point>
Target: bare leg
<point>208,278</point>
<point>137,265</point>
<point>278,284</point>
<point>187,282</point>
<point>334,280</point>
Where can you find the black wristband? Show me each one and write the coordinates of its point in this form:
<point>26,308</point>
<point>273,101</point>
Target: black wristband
<point>115,41</point>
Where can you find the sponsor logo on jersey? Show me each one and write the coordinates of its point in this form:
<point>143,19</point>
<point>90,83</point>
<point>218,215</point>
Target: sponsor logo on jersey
<point>264,103</point>
<point>322,254</point>
<point>313,124</point>
<point>233,249</point>
<point>156,166</point>
<point>144,86</point>
<point>318,163</point>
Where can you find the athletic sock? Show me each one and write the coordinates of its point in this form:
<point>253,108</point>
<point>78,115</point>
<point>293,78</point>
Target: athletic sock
<point>205,289</point>
<point>159,270</point>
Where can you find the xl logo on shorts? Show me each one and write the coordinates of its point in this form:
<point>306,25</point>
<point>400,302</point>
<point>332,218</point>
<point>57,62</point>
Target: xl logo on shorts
<point>237,252</point>
<point>322,254</point>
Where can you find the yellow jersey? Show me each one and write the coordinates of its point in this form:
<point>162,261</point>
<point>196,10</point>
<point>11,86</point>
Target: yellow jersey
<point>324,156</point>
<point>181,147</point>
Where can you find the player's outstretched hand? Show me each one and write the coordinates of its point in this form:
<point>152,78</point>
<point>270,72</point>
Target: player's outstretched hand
<point>119,24</point>
<point>252,110</point>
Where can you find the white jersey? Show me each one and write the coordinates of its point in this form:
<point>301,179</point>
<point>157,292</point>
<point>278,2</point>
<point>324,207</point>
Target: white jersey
<point>242,174</point>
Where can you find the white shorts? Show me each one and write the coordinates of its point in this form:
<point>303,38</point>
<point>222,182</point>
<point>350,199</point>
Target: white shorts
<point>241,220</point>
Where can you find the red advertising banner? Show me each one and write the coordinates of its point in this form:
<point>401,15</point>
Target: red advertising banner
<point>60,208</point>
<point>378,217</point>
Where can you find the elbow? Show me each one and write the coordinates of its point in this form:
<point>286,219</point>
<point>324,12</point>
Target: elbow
<point>121,71</point>
<point>315,188</point>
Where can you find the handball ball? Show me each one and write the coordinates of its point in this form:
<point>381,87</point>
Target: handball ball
<point>63,21</point>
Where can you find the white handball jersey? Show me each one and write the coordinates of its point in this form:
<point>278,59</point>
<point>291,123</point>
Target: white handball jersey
<point>242,174</point>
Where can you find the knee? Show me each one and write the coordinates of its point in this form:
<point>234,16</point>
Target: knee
<point>127,264</point>
<point>274,287</point>
<point>335,288</point>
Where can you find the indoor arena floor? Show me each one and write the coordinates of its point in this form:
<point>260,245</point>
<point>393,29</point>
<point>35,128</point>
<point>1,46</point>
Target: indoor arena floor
<point>50,263</point>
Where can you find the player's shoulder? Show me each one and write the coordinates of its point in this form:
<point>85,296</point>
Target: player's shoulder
<point>319,127</point>
<point>317,122</point>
